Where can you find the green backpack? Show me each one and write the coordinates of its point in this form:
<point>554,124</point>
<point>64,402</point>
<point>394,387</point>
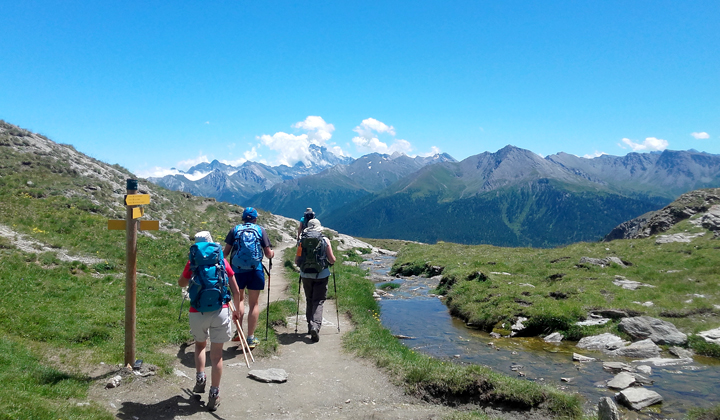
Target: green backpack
<point>313,258</point>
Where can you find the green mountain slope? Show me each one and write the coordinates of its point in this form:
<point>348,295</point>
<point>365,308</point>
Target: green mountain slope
<point>539,214</point>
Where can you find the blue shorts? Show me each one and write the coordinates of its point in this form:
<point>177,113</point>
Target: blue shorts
<point>251,280</point>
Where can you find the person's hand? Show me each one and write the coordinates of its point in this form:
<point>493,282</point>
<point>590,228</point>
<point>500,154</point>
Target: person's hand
<point>236,316</point>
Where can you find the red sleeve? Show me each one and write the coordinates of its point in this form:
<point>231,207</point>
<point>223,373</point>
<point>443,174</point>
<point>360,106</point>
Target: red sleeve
<point>228,269</point>
<point>186,272</point>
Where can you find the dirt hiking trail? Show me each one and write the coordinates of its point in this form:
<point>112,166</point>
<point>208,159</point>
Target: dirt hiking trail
<point>324,382</point>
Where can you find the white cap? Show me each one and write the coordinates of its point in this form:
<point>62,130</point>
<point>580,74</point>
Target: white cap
<point>203,236</point>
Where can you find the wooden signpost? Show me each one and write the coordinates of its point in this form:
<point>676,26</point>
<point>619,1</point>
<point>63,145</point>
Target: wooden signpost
<point>130,225</point>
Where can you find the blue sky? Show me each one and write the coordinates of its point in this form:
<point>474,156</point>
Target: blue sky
<point>154,85</point>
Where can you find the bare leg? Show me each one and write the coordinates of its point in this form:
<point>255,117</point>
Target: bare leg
<point>216,360</point>
<point>254,298</point>
<point>200,356</point>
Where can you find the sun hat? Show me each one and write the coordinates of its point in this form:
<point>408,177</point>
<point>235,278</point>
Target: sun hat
<point>249,213</point>
<point>203,236</point>
<point>314,224</point>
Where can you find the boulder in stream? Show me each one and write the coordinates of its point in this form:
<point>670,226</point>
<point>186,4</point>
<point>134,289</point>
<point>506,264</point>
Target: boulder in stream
<point>555,337</point>
<point>604,342</point>
<point>659,331</point>
<point>621,381</point>
<point>640,349</point>
<point>638,398</point>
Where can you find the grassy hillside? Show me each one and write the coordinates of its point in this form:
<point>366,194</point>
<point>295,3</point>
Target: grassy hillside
<point>62,272</point>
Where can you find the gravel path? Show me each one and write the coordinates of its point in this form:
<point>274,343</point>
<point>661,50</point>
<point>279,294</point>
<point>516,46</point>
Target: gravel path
<point>323,381</point>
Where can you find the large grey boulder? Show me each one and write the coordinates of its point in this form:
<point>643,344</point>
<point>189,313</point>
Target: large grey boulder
<point>640,349</point>
<point>607,410</point>
<point>659,331</point>
<point>555,337</point>
<point>638,398</point>
<point>603,342</point>
<point>711,219</point>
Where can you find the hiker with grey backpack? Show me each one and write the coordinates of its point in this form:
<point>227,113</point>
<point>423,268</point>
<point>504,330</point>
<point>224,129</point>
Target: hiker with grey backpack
<point>206,275</point>
<point>245,246</point>
<point>314,257</point>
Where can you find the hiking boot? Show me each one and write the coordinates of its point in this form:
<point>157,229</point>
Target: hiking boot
<point>315,335</point>
<point>252,342</point>
<point>200,385</point>
<point>213,400</point>
<point>236,337</point>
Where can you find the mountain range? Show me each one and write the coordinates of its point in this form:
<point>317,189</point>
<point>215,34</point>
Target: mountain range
<point>512,197</point>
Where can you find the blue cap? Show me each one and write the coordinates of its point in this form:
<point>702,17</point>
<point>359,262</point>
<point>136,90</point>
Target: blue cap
<point>249,213</point>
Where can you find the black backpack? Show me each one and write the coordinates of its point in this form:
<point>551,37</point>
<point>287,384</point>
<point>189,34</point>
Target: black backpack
<point>313,258</point>
<point>307,216</point>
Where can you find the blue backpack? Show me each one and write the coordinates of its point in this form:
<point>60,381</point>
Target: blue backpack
<point>247,249</point>
<point>209,283</point>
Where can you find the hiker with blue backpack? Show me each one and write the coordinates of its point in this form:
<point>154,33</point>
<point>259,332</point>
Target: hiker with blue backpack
<point>206,275</point>
<point>314,257</point>
<point>245,246</point>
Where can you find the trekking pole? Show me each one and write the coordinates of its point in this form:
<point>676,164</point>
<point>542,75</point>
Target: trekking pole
<point>181,306</point>
<point>267,309</point>
<point>243,343</point>
<point>337,300</point>
<point>297,314</point>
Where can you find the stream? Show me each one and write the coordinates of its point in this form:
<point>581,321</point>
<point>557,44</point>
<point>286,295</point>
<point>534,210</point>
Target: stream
<point>413,311</point>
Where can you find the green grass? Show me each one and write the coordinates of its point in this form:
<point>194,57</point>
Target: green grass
<point>704,414</point>
<point>32,390</point>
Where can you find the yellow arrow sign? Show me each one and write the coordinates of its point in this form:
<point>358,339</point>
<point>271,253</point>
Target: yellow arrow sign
<point>149,225</point>
<point>116,224</point>
<point>137,199</point>
<point>138,212</point>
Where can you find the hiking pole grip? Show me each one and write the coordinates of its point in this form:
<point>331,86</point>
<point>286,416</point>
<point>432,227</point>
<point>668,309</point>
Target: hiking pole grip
<point>243,344</point>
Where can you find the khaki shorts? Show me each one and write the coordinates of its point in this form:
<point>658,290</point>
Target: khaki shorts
<point>217,323</point>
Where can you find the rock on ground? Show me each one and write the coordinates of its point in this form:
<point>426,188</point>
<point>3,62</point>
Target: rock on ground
<point>711,336</point>
<point>604,342</point>
<point>607,410</point>
<point>640,349</point>
<point>659,331</point>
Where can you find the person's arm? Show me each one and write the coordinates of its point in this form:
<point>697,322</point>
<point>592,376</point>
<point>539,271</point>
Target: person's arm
<point>234,289</point>
<point>269,252</point>
<point>330,255</point>
<point>184,278</point>
<point>183,281</point>
<point>227,250</point>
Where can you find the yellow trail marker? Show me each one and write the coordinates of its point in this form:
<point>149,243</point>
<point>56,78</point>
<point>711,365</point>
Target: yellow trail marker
<point>149,225</point>
<point>116,224</point>
<point>137,199</point>
<point>138,212</point>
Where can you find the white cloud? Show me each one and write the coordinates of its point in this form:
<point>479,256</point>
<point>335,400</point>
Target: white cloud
<point>292,148</point>
<point>594,155</point>
<point>434,150</point>
<point>650,144</point>
<point>187,164</point>
<point>367,140</point>
<point>701,135</point>
<point>319,132</point>
<point>157,172</point>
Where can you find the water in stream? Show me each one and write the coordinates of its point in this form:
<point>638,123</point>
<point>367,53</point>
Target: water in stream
<point>413,311</point>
